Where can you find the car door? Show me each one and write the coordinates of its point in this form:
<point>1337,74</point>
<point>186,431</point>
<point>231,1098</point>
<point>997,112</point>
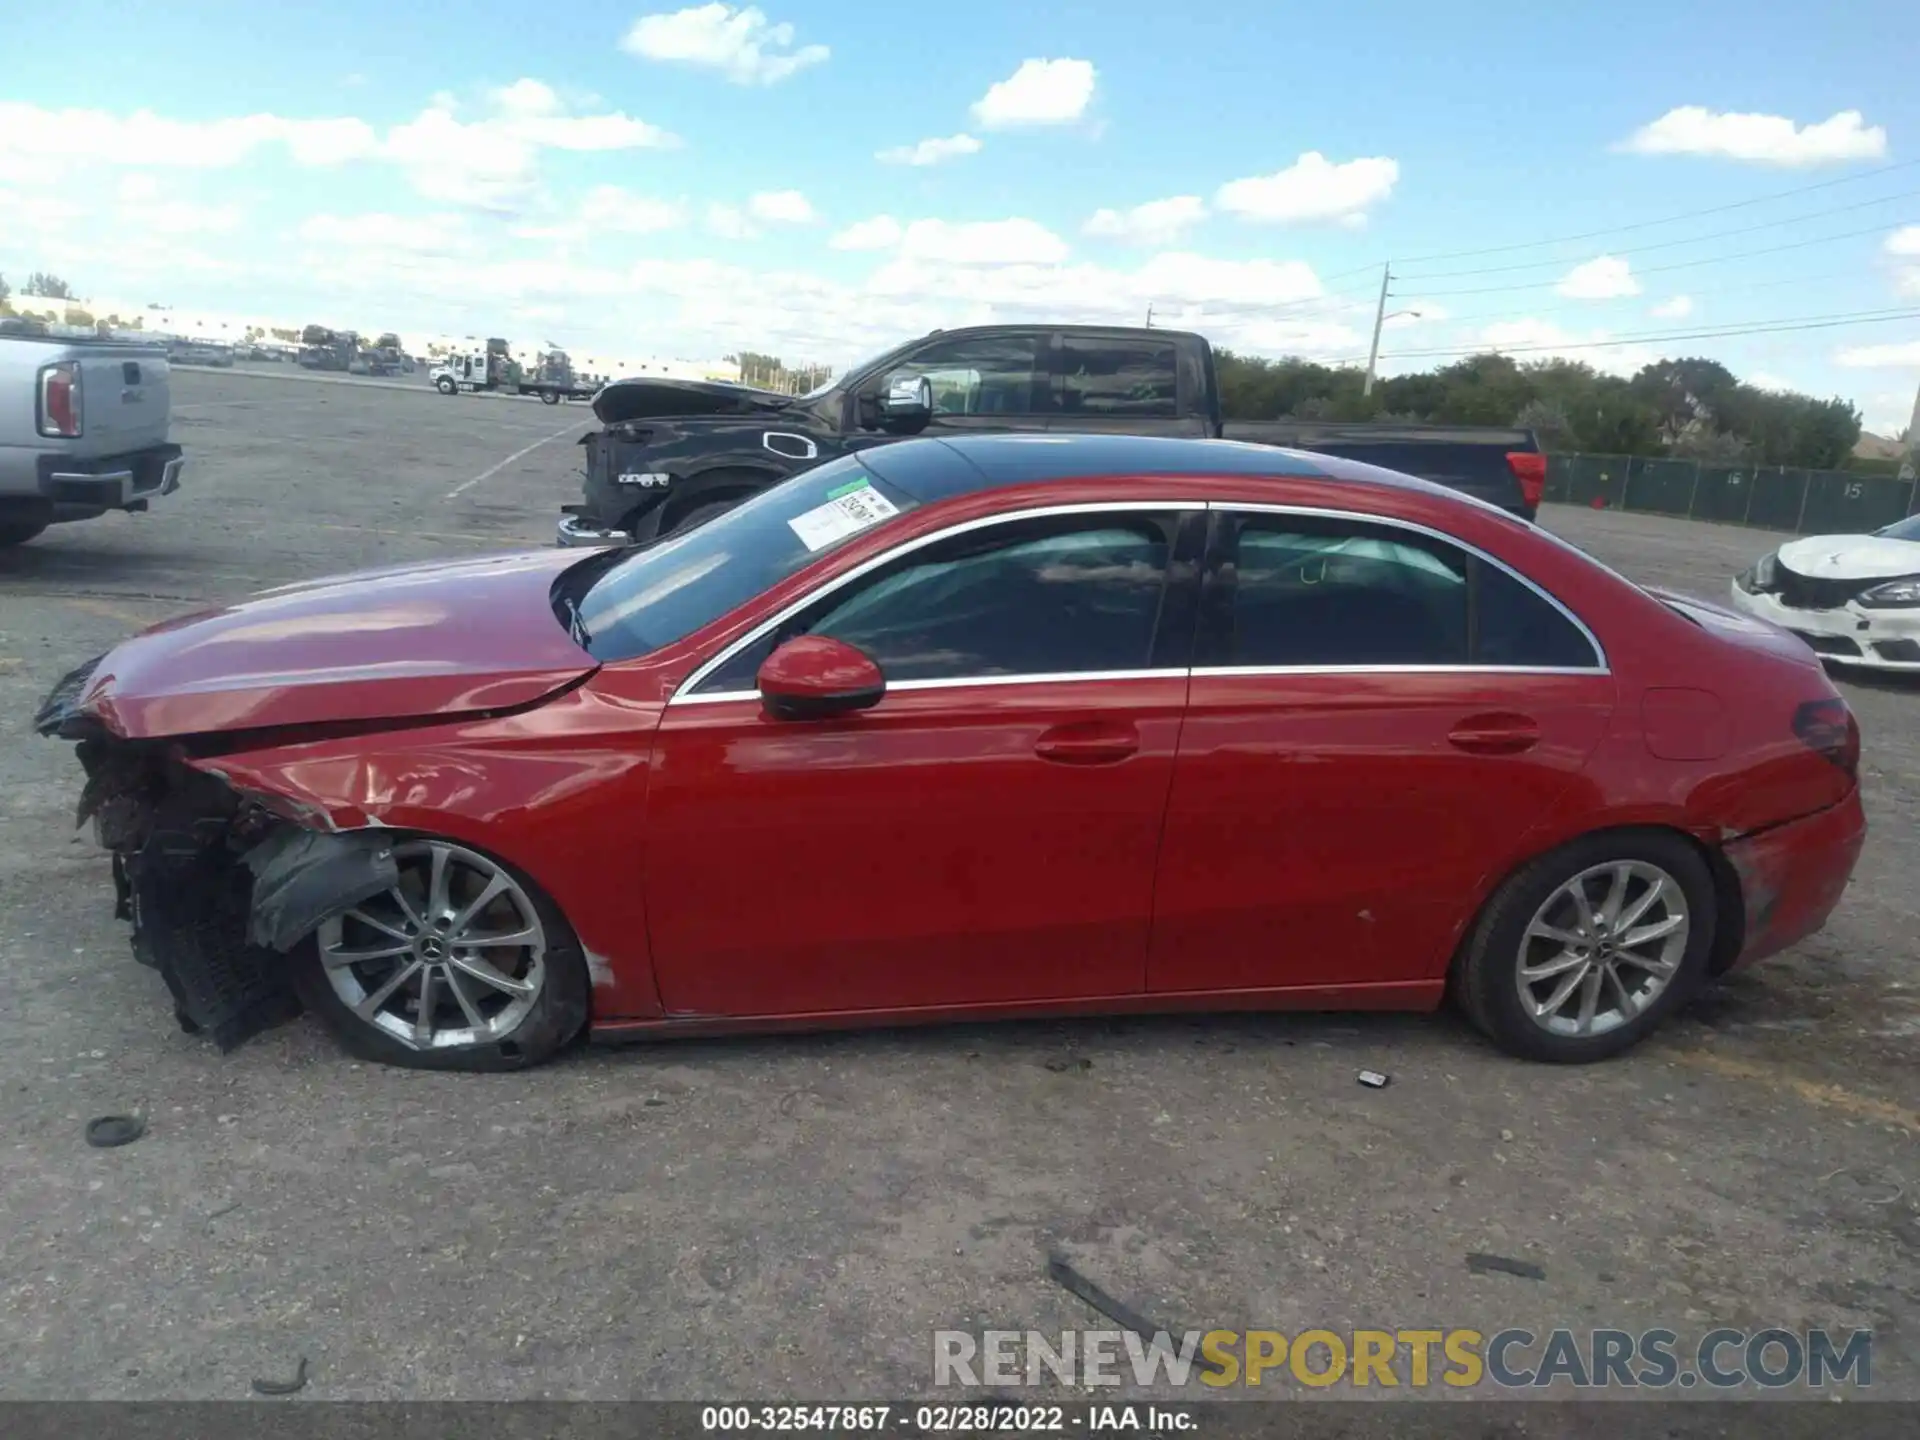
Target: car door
<point>1000,380</point>
<point>1377,717</point>
<point>1124,384</point>
<point>988,832</point>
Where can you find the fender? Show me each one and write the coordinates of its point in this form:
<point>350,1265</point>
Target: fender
<point>686,493</point>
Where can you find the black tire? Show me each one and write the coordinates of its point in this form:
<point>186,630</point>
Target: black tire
<point>20,533</point>
<point>557,1017</point>
<point>699,515</point>
<point>549,397</point>
<point>445,386</point>
<point>1485,981</point>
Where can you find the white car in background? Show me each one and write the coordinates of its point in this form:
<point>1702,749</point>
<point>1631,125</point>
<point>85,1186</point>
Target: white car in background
<point>1854,598</point>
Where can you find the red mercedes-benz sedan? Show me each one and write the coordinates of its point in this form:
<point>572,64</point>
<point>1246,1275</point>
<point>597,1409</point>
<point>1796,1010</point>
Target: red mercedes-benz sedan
<point>952,729</point>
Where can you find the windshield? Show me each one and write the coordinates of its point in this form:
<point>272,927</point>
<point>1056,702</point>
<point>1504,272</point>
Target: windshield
<point>667,591</point>
<point>1907,529</point>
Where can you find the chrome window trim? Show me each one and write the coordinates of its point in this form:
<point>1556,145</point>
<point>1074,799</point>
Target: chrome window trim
<point>1601,667</point>
<point>1061,677</point>
<point>684,694</point>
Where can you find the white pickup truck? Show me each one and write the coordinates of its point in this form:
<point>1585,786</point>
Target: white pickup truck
<point>83,430</point>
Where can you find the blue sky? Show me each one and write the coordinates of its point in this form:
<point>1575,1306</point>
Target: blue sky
<point>710,178</point>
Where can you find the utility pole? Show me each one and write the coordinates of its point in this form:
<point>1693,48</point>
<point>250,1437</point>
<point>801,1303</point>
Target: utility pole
<point>1149,315</point>
<point>1379,320</point>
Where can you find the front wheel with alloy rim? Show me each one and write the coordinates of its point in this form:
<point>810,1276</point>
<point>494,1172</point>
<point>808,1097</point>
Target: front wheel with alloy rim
<point>1586,950</point>
<point>462,965</point>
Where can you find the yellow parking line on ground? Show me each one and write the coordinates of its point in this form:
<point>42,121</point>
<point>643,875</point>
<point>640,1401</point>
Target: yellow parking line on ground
<point>9,663</point>
<point>1815,1092</point>
<point>421,534</point>
<point>106,609</point>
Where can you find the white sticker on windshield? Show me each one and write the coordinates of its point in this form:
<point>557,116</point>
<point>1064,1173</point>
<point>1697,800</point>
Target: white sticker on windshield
<point>854,507</point>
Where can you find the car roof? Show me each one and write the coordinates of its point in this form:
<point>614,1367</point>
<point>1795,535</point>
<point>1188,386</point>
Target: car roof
<point>939,469</point>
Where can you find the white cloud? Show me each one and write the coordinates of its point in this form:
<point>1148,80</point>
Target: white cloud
<point>982,242</point>
<point>489,162</point>
<point>882,232</point>
<point>729,222</point>
<point>1905,241</point>
<point>1157,222</point>
<point>1040,92</point>
<point>1759,139</point>
<point>381,233</point>
<point>1768,380</point>
<point>782,207</point>
<point>1605,277</point>
<point>609,209</point>
<point>1677,308</point>
<point>742,45</point>
<point>1312,188</point>
<point>930,152</point>
<point>1880,357</point>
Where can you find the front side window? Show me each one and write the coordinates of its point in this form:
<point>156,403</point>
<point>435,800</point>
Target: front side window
<point>1119,379</point>
<point>1055,595</point>
<point>982,375</point>
<point>1313,591</point>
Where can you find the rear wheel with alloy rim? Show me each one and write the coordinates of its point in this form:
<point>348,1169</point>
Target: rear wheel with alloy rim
<point>462,965</point>
<point>1583,952</point>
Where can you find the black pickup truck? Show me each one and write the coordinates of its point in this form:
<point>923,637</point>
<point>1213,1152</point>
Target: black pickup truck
<point>674,453</point>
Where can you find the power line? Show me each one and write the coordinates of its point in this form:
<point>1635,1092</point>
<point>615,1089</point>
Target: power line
<point>1680,265</point>
<point>1665,220</point>
<point>1671,244</point>
<point>1483,315</point>
<point>1818,322</point>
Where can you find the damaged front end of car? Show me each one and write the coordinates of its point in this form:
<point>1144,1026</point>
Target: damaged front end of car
<point>217,882</point>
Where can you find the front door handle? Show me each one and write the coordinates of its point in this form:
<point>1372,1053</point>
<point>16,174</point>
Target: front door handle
<point>1498,732</point>
<point>1091,742</point>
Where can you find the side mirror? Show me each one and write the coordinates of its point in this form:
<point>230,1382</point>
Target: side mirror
<point>814,676</point>
<point>906,402</point>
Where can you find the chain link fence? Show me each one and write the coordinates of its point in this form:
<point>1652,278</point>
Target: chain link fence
<point>1769,497</point>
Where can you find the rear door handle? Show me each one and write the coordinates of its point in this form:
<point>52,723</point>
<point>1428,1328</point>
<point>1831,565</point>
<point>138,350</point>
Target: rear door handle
<point>1495,733</point>
<point>1090,742</point>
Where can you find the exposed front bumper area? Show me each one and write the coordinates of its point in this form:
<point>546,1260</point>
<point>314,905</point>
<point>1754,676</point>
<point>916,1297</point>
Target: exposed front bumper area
<point>576,531</point>
<point>1883,639</point>
<point>1793,875</point>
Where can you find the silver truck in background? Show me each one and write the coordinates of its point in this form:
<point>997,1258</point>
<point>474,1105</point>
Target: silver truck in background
<point>83,430</point>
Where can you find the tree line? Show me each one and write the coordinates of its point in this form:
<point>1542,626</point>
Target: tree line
<point>1692,408</point>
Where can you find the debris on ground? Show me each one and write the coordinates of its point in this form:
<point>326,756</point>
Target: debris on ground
<point>1060,1065</point>
<point>1483,1264</point>
<point>283,1387</point>
<point>213,1215</point>
<point>1374,1080</point>
<point>1872,1179</point>
<point>107,1131</point>
<point>1062,1273</point>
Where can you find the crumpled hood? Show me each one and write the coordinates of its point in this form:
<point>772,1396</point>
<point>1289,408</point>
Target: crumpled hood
<point>1851,557</point>
<point>649,399</point>
<point>406,643</point>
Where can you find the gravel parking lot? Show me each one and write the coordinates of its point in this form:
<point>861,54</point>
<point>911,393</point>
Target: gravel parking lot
<point>794,1217</point>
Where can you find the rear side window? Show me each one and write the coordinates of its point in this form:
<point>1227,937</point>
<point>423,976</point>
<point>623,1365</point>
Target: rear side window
<point>1309,592</point>
<point>1312,591</point>
<point>1515,625</point>
<point>1132,379</point>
